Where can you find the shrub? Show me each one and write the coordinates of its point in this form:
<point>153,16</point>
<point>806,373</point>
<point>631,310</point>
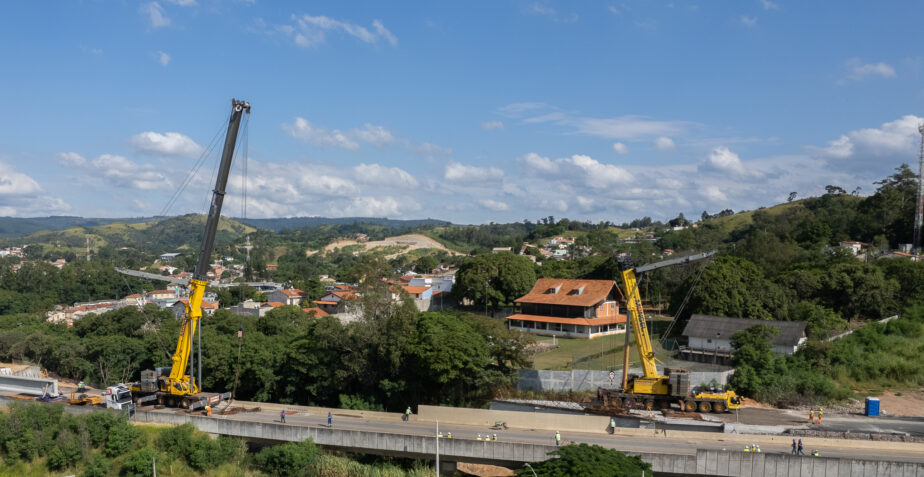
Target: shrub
<point>120,439</point>
<point>139,463</point>
<point>289,459</point>
<point>98,466</point>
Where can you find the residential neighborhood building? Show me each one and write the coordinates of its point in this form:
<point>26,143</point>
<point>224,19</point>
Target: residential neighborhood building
<point>254,308</point>
<point>208,308</point>
<point>709,337</point>
<point>166,257</point>
<point>570,308</point>
<point>439,283</point>
<point>289,296</point>
<point>335,301</point>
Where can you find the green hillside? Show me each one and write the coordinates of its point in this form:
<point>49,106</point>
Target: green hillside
<point>158,236</point>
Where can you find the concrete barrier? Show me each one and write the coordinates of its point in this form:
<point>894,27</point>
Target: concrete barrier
<point>590,380</point>
<point>32,386</point>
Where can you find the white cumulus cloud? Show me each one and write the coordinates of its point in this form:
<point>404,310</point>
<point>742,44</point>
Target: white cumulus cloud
<point>166,144</point>
<point>723,161</point>
<point>378,174</point>
<point>163,58</point>
<point>22,196</point>
<point>596,174</point>
<point>494,205</point>
<point>894,138</point>
<point>319,136</point>
<point>663,143</point>
<point>492,126</point>
<point>858,71</point>
<point>748,21</point>
<point>464,173</point>
<point>620,148</point>
<point>539,163</point>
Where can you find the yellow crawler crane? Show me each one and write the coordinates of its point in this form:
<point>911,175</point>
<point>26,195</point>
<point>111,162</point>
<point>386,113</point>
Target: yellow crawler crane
<point>655,390</point>
<point>174,386</point>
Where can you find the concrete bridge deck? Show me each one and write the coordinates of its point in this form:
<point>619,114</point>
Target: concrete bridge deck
<point>679,453</point>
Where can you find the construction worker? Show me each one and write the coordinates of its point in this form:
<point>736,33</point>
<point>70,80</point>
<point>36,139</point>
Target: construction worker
<point>557,438</point>
<point>612,424</point>
<point>478,438</point>
<point>439,435</point>
<point>282,416</point>
<point>820,412</point>
<point>811,416</point>
<point>747,448</point>
<point>81,387</point>
<point>494,438</point>
<point>208,410</point>
<point>793,447</point>
<point>449,435</point>
<point>407,414</point>
<point>758,447</point>
<point>814,452</point>
<point>800,448</point>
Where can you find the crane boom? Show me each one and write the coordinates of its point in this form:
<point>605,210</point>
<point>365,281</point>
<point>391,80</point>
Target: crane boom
<point>178,382</point>
<point>636,314</point>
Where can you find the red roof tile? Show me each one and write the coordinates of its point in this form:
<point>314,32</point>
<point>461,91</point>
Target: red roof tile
<point>317,311</point>
<point>594,291</point>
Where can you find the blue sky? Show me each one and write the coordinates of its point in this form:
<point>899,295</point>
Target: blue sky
<point>465,111</point>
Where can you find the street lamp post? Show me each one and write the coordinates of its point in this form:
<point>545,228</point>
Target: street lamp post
<point>531,469</point>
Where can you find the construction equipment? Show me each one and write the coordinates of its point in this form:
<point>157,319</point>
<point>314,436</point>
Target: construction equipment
<point>84,399</point>
<point>652,389</point>
<point>172,385</point>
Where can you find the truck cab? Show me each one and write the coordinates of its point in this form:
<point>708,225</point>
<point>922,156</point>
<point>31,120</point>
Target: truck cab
<point>118,397</point>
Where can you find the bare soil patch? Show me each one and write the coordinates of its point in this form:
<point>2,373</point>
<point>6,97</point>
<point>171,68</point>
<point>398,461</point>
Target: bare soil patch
<point>405,242</point>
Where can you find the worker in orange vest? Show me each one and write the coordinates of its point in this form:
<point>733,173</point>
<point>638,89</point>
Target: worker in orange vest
<point>820,411</point>
<point>811,416</point>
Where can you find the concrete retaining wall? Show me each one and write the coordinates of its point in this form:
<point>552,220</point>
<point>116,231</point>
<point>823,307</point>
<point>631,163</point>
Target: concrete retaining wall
<point>590,380</point>
<point>723,463</point>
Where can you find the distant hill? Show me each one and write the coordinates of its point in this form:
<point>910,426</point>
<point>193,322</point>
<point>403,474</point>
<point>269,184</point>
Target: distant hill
<point>155,235</point>
<point>277,225</point>
<point>20,226</point>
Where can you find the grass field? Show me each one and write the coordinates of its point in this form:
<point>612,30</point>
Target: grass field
<point>603,353</point>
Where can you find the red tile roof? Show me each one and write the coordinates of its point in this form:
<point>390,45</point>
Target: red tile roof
<point>325,302</point>
<point>317,311</point>
<point>294,292</point>
<point>417,289</point>
<point>275,304</point>
<point>594,291</point>
<point>607,320</point>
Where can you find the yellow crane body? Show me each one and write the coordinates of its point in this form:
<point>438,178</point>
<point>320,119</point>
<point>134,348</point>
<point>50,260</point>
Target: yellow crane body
<point>653,389</point>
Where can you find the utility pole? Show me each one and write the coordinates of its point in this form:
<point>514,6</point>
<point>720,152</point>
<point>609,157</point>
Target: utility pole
<point>919,209</point>
<point>88,247</point>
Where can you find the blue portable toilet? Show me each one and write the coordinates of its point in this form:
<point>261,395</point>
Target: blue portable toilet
<point>872,406</point>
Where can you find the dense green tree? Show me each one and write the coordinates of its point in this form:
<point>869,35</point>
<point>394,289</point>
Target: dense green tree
<point>734,287</point>
<point>494,278</point>
<point>588,461</point>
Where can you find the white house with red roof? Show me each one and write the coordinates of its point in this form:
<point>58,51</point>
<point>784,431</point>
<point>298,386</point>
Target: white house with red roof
<point>290,296</point>
<point>570,308</point>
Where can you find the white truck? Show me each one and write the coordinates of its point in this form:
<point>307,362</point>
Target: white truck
<point>118,397</point>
